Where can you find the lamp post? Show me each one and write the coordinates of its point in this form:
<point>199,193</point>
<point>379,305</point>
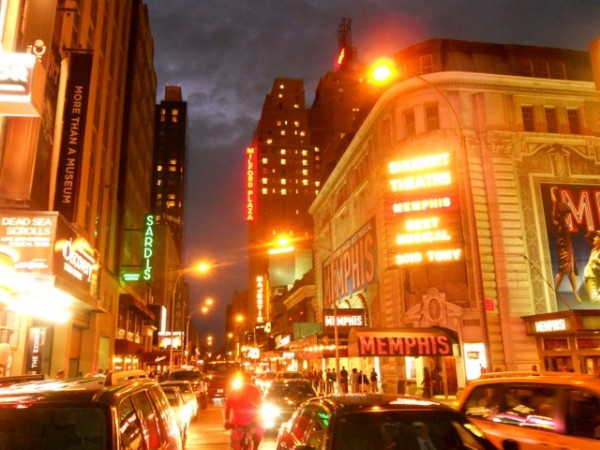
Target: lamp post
<point>204,309</point>
<point>202,268</point>
<point>238,321</point>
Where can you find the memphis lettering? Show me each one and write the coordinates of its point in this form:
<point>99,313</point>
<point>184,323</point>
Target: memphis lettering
<point>404,346</point>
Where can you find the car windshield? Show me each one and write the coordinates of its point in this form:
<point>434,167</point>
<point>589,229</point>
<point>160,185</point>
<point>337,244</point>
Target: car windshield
<point>185,388</point>
<point>406,430</point>
<point>174,399</point>
<point>224,368</point>
<point>294,390</point>
<point>52,427</point>
<point>185,375</point>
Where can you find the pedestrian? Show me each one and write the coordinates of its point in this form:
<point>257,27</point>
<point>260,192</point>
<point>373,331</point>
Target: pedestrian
<point>344,379</point>
<point>374,378</point>
<point>354,380</point>
<point>426,383</point>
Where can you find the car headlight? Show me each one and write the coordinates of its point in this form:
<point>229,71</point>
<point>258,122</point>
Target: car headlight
<point>269,414</point>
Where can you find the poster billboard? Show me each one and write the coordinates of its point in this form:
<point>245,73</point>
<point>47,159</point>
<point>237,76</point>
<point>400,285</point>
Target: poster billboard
<point>572,217</point>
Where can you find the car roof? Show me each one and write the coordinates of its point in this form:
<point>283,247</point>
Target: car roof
<point>92,389</point>
<point>567,378</point>
<point>349,403</point>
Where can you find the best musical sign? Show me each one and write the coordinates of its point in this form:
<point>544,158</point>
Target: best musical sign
<point>426,214</point>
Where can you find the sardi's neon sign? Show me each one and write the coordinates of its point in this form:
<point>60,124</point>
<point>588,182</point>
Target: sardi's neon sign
<point>148,249</point>
<point>250,184</point>
<point>424,197</point>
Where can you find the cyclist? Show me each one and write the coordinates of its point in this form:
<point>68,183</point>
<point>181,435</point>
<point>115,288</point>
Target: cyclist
<point>242,411</point>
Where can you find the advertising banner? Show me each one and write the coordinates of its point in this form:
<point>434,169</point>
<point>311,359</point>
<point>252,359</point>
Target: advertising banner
<point>35,349</point>
<point>352,266</point>
<point>572,216</point>
<point>27,240</point>
<point>72,141</point>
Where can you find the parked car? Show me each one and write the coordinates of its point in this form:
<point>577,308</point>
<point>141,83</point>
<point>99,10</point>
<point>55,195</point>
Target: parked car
<point>540,410</point>
<point>198,382</point>
<point>181,408</point>
<point>7,381</point>
<point>379,421</point>
<point>281,400</point>
<point>220,376</point>
<point>121,411</point>
<point>187,391</point>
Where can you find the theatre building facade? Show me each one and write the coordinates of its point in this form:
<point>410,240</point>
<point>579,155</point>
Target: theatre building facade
<point>459,221</point>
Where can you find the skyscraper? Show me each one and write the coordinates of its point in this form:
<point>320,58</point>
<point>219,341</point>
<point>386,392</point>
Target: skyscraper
<point>169,162</point>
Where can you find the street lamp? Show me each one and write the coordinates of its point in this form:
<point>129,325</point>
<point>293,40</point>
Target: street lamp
<point>204,309</point>
<point>201,268</point>
<point>239,319</point>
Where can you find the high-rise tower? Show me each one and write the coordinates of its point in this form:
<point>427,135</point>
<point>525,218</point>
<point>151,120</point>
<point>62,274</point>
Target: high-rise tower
<point>286,180</point>
<point>169,162</point>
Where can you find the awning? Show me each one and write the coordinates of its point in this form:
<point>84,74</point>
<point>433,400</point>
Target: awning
<point>433,341</point>
<point>160,357</point>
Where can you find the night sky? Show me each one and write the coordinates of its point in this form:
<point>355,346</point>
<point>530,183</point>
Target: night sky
<point>225,55</point>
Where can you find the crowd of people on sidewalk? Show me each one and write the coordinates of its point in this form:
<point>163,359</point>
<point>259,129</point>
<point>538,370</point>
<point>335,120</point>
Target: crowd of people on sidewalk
<point>356,381</point>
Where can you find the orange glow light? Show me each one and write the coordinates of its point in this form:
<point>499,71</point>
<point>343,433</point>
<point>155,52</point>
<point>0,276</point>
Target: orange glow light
<point>383,71</point>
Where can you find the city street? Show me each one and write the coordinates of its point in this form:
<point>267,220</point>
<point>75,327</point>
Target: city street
<point>207,433</point>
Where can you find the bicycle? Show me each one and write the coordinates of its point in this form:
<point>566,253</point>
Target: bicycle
<point>245,441</point>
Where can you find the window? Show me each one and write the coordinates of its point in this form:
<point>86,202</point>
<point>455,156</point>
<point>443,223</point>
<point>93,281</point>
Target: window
<point>282,151</point>
<point>582,414</point>
<point>551,121</point>
<point>409,123</point>
<point>544,69</point>
<point>130,428</point>
<point>420,65</point>
<point>515,405</point>
<point>432,118</point>
<point>150,418</point>
<point>528,118</point>
<point>573,119</point>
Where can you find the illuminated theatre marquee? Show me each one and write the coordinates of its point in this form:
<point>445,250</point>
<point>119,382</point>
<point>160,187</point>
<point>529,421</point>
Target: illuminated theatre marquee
<point>425,209</point>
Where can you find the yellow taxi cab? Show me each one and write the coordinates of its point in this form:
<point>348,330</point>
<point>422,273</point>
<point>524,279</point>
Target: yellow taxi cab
<point>547,410</point>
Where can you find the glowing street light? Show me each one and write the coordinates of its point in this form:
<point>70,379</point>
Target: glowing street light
<point>204,310</point>
<point>201,268</point>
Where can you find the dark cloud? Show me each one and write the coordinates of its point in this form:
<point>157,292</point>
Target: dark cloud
<point>226,53</point>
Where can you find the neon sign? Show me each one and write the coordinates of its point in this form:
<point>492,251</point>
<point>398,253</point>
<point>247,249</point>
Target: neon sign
<point>425,201</point>
<point>250,184</point>
<point>260,298</point>
<point>148,248</point>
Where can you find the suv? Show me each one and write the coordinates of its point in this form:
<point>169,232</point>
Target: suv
<point>123,410</point>
<point>548,409</point>
<point>198,382</point>
<point>219,376</point>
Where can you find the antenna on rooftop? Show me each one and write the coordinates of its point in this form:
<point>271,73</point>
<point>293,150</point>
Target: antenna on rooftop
<point>346,52</point>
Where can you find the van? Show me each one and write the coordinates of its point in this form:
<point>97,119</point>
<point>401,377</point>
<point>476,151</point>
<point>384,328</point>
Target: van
<point>550,410</point>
